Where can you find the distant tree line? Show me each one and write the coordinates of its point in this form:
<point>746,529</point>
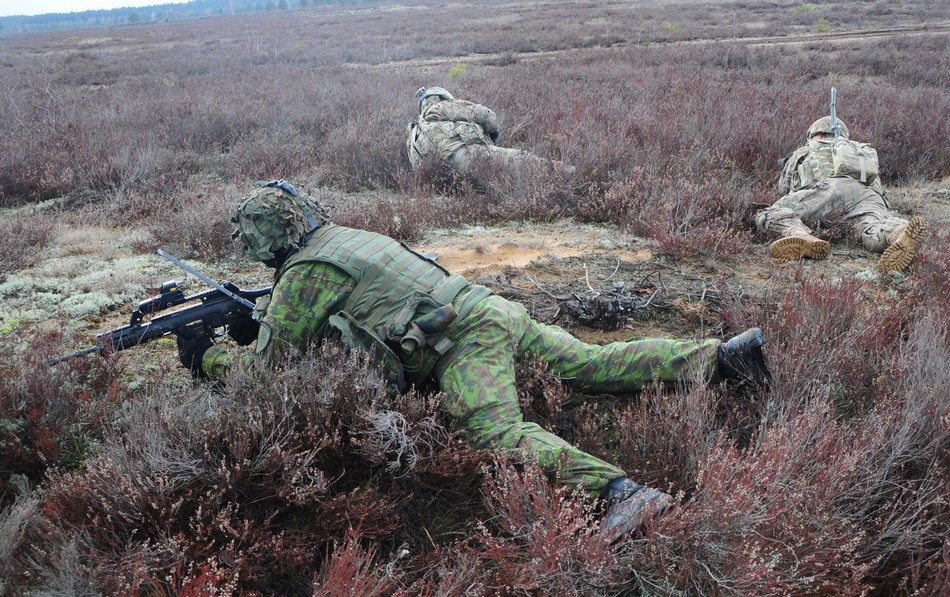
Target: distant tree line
<point>159,12</point>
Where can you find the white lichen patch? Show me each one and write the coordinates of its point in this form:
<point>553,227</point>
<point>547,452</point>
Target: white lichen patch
<point>81,286</point>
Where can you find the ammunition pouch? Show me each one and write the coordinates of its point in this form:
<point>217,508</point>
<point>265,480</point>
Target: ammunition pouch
<point>418,333</point>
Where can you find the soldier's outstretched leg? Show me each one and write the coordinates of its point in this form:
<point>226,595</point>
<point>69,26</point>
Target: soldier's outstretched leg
<point>478,379</point>
<point>619,367</point>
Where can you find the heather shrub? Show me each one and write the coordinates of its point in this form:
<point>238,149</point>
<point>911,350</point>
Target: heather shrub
<point>688,216</point>
<point>526,190</point>
<point>252,486</point>
<point>930,279</point>
<point>404,218</point>
<point>664,434</point>
<point>763,518</point>
<point>541,538</point>
<point>268,155</point>
<point>48,420</point>
<point>24,240</point>
<point>179,479</point>
<point>352,569</point>
<point>540,394</point>
<point>870,373</point>
<point>199,225</point>
<point>833,338</point>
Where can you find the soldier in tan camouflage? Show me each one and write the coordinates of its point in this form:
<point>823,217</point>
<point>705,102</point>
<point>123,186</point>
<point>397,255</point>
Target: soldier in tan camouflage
<point>421,322</point>
<point>460,132</point>
<point>817,189</point>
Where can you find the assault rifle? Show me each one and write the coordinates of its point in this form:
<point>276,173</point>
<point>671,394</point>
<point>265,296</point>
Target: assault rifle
<point>835,123</point>
<point>215,309</point>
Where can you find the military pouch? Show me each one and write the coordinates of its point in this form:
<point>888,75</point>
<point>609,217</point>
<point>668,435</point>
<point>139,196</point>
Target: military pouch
<point>265,332</point>
<point>855,160</point>
<point>355,336</point>
<point>817,165</point>
<point>413,332</point>
<point>429,330</point>
<point>470,133</point>
<point>420,141</point>
<point>260,308</point>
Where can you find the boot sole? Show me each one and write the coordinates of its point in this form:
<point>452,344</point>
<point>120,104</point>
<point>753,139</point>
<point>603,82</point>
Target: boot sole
<point>795,247</point>
<point>899,256</point>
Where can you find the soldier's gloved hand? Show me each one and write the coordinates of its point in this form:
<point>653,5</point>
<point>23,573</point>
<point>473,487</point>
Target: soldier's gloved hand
<point>494,135</point>
<point>193,342</point>
<point>244,330</point>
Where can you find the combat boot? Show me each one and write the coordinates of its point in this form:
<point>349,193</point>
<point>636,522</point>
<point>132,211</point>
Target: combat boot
<point>799,245</point>
<point>629,506</point>
<point>741,358</point>
<point>901,253</point>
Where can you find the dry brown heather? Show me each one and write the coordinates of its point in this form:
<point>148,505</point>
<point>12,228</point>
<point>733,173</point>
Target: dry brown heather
<point>119,476</point>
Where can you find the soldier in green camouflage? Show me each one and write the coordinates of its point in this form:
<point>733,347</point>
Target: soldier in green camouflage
<point>818,186</point>
<point>460,133</point>
<point>421,322</point>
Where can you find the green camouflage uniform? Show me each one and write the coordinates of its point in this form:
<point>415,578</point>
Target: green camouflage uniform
<point>340,282</point>
<point>812,194</point>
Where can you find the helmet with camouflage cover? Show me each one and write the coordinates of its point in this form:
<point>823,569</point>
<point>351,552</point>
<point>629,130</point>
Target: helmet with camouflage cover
<point>823,125</point>
<point>275,218</point>
<point>437,93</point>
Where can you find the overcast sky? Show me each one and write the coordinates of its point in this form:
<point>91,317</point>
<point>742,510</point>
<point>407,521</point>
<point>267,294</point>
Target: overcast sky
<point>35,7</point>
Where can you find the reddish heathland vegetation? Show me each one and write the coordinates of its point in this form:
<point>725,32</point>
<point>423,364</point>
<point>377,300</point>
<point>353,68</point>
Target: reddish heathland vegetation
<point>119,476</point>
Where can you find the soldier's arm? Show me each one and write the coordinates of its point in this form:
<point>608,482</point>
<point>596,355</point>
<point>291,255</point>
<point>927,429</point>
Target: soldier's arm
<point>462,110</point>
<point>300,305</point>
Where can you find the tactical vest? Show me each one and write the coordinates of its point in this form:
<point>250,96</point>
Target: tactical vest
<point>402,305</point>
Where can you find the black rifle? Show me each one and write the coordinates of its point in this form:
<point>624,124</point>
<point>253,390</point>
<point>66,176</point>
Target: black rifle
<point>217,309</point>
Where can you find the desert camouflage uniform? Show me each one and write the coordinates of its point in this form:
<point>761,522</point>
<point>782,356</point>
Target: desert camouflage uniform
<point>460,132</point>
<point>812,195</point>
<point>338,278</point>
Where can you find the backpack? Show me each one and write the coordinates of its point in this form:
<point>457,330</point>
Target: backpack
<point>853,159</point>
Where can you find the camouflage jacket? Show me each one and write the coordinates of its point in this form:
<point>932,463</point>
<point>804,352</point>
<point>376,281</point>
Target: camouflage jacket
<point>444,127</point>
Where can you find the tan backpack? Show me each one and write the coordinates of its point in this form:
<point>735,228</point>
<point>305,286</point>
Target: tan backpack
<point>857,160</point>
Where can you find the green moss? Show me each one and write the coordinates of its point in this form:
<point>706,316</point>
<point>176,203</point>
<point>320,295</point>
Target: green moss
<point>457,70</point>
<point>8,324</point>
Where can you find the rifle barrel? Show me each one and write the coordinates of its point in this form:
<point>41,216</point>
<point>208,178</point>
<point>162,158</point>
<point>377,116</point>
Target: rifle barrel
<point>73,355</point>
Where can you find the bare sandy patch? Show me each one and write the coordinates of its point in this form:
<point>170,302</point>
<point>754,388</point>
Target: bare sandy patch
<point>476,250</point>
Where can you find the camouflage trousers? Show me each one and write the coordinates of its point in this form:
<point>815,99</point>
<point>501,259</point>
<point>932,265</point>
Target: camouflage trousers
<point>478,378</point>
<point>465,156</point>
<point>836,198</point>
